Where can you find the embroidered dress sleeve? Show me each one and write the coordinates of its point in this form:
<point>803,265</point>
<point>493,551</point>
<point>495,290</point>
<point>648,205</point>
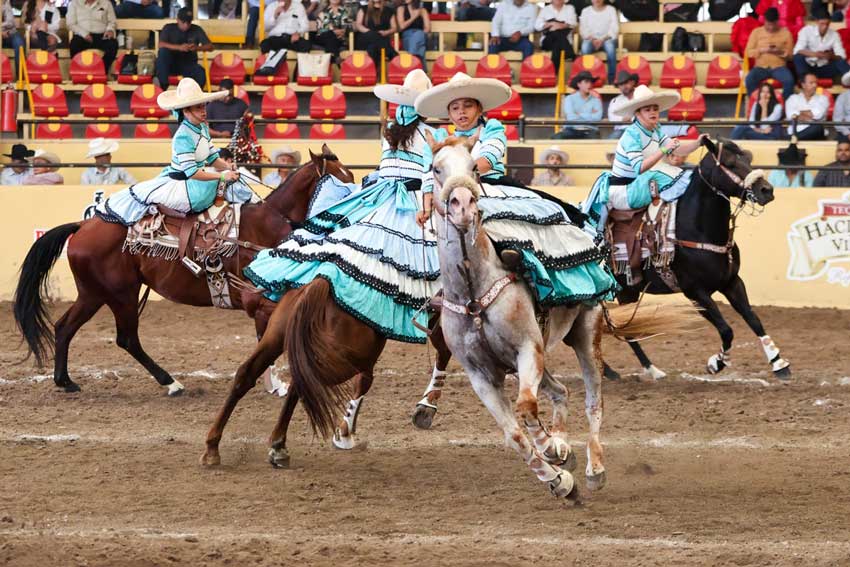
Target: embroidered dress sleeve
<point>493,142</point>
<point>205,131</point>
<point>183,154</point>
<point>427,159</point>
<point>630,150</point>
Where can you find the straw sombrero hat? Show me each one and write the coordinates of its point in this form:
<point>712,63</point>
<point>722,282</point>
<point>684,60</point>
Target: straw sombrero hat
<point>644,96</point>
<point>434,103</point>
<point>101,146</point>
<point>49,157</point>
<point>187,93</point>
<point>287,151</point>
<point>544,155</point>
<point>415,83</point>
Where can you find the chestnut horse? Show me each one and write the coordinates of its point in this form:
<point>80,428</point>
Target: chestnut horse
<point>104,274</point>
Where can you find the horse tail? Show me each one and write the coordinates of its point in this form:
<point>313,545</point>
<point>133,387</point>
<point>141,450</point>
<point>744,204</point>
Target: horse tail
<point>31,316</point>
<point>649,319</point>
<point>317,362</point>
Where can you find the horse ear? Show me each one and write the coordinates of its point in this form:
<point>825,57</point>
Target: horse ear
<point>709,144</point>
<point>313,157</point>
<point>432,143</point>
<point>472,140</point>
<point>326,150</point>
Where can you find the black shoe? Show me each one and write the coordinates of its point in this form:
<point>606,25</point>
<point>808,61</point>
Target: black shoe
<point>511,259</point>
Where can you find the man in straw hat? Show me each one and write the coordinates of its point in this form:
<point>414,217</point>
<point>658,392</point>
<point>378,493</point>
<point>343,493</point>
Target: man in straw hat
<point>18,169</point>
<point>103,173</point>
<point>184,185</point>
<point>44,170</point>
<point>582,105</point>
<point>288,159</point>
<point>365,241</point>
<point>552,157</point>
<point>639,174</point>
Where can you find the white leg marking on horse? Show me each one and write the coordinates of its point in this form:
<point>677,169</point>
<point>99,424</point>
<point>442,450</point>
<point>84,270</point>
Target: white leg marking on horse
<point>654,372</point>
<point>344,436</point>
<point>718,362</point>
<point>175,388</point>
<point>434,389</point>
<point>771,351</point>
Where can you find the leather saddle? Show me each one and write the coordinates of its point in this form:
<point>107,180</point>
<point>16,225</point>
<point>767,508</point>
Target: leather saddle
<point>641,238</point>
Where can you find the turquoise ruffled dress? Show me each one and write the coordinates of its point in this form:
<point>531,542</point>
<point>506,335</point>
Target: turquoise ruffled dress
<point>365,242</point>
<point>561,263</point>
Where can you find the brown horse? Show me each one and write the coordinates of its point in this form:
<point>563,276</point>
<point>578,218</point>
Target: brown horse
<point>104,274</point>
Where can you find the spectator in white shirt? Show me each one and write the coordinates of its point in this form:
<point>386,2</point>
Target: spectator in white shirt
<point>626,82</point>
<point>819,50</point>
<point>15,172</point>
<point>286,23</point>
<point>92,24</point>
<point>599,28</point>
<point>103,173</point>
<point>557,21</point>
<point>764,118</point>
<point>512,24</point>
<point>841,113</point>
<point>42,20</point>
<point>807,108</point>
<point>288,161</point>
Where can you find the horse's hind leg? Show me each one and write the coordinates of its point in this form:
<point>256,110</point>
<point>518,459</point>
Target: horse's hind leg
<point>344,435</point>
<point>736,293</point>
<point>127,327</point>
<point>83,309</point>
<point>426,408</point>
<point>278,455</point>
<point>648,368</point>
<point>560,397</point>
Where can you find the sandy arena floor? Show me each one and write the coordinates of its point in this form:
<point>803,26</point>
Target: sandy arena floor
<point>729,470</point>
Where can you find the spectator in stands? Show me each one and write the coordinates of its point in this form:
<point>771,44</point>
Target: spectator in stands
<point>286,24</point>
<point>764,118</point>
<point>332,30</point>
<point>44,170</point>
<point>413,22</point>
<point>807,108</point>
<point>819,50</point>
<point>92,25</point>
<point>179,44</point>
<point>581,105</point>
<point>103,173</point>
<point>626,82</point>
<point>552,176</point>
<point>288,160</point>
<point>253,20</point>
<point>771,46</point>
<point>790,14</point>
<point>375,26</point>
<point>599,27</point>
<point>472,11</point>
<point>11,37</point>
<point>42,20</point>
<point>557,21</point>
<point>782,178</point>
<point>741,31</point>
<point>841,113</point>
<point>146,9</point>
<point>511,26</point>
<point>836,178</point>
<point>18,168</point>
<point>223,114</point>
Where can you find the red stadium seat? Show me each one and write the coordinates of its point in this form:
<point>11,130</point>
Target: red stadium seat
<point>439,17</point>
<point>282,131</point>
<point>678,72</point>
<point>174,80</point>
<point>494,66</point>
<point>537,72</point>
<point>511,132</point>
<point>327,102</point>
<point>637,65</point>
<point>593,65</point>
<point>143,102</point>
<point>103,130</point>
<point>49,100</point>
<point>152,131</point>
<point>87,68</point>
<point>242,95</point>
<point>97,101</point>
<point>131,79</point>
<point>724,72</point>
<point>825,83</point>
<point>400,66</point>
<point>831,98</point>
<point>327,131</point>
<point>54,130</point>
<point>446,66</point>
<point>227,65</point>
<point>691,107</point>
<point>6,74</point>
<point>279,101</point>
<point>358,70</point>
<point>281,76</point>
<point>511,110</point>
<point>43,67</point>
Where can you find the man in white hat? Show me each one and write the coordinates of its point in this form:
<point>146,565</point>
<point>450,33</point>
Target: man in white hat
<point>44,170</point>
<point>552,176</point>
<point>103,173</point>
<point>288,159</point>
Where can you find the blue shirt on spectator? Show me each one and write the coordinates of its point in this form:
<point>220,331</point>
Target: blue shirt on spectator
<point>576,107</point>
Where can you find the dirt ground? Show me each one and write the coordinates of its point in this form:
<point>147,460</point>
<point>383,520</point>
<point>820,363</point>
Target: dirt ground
<point>736,469</point>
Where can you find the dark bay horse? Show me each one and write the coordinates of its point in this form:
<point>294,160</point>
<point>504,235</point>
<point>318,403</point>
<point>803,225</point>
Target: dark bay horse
<point>707,259</point>
<point>105,275</point>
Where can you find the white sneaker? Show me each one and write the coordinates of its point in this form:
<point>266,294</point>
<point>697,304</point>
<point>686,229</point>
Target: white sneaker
<point>845,79</point>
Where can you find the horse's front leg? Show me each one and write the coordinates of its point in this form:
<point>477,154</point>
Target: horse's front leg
<point>426,408</point>
<point>560,396</point>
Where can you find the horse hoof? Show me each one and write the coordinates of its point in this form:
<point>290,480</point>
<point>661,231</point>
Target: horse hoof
<point>783,373</point>
<point>346,443</point>
<point>70,387</point>
<point>209,459</point>
<point>571,462</point>
<point>596,481</point>
<point>564,486</point>
<point>560,454</point>
<point>610,373</point>
<point>175,388</point>
<point>423,416</point>
<point>654,372</point>
<point>279,458</point>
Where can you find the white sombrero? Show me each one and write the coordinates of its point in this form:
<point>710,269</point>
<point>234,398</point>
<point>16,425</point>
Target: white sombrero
<point>434,103</point>
<point>415,83</point>
<point>101,146</point>
<point>554,150</point>
<point>187,93</point>
<point>287,151</point>
<point>643,96</point>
